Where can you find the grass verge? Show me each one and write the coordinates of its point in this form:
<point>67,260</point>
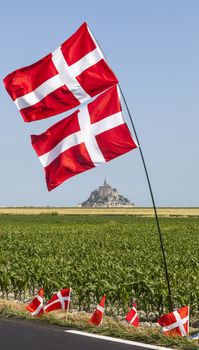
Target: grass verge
<point>149,334</point>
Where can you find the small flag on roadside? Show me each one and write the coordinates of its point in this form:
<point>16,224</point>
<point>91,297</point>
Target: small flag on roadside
<point>36,306</point>
<point>61,300</point>
<point>176,322</point>
<point>132,316</point>
<point>97,315</point>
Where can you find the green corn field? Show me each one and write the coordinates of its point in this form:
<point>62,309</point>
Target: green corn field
<point>116,255</point>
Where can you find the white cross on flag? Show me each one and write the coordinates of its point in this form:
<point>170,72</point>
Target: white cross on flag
<point>61,300</point>
<point>97,315</point>
<point>176,322</point>
<point>91,136</point>
<point>62,80</point>
<point>36,306</point>
<point>132,316</point>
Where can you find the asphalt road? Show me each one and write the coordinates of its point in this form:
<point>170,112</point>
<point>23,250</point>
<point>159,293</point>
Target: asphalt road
<point>27,335</point>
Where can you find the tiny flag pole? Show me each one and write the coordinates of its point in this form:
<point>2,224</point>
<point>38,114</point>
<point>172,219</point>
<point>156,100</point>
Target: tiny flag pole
<point>67,309</point>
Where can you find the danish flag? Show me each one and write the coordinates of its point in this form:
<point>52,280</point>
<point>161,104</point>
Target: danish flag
<point>89,137</point>
<point>132,316</point>
<point>62,80</point>
<point>61,300</point>
<point>97,315</point>
<point>176,322</point>
<point>36,306</point>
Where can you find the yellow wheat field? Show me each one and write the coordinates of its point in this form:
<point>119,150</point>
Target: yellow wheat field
<point>101,211</point>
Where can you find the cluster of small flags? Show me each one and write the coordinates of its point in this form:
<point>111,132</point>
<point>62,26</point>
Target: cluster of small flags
<point>173,323</point>
<point>61,300</point>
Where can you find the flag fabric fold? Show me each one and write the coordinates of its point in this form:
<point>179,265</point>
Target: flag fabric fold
<point>176,322</point>
<point>61,300</point>
<point>97,315</point>
<point>132,316</point>
<point>62,80</point>
<point>36,307</point>
<point>95,134</point>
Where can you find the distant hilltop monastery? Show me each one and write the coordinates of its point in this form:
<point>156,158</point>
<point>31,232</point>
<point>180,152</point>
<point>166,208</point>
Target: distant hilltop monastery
<point>106,196</point>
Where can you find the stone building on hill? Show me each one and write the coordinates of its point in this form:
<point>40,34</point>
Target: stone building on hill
<point>106,196</point>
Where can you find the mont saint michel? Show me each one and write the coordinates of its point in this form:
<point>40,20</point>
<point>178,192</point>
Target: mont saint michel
<point>106,196</point>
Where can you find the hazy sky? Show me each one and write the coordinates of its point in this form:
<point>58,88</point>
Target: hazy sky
<point>153,48</point>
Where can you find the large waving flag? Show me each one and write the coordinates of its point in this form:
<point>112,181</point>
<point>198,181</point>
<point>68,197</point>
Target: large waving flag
<point>62,80</point>
<point>91,136</point>
<point>36,307</point>
<point>61,300</point>
<point>176,322</point>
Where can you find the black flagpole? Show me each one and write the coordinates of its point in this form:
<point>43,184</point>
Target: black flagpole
<point>150,188</point>
<point>153,201</point>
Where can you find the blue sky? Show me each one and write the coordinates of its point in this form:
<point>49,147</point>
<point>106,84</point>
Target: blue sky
<point>153,48</point>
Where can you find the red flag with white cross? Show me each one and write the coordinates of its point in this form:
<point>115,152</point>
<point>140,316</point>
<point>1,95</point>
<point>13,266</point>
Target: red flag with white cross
<point>62,80</point>
<point>93,135</point>
<point>97,315</point>
<point>36,306</point>
<point>61,300</point>
<point>176,322</point>
<point>132,316</point>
